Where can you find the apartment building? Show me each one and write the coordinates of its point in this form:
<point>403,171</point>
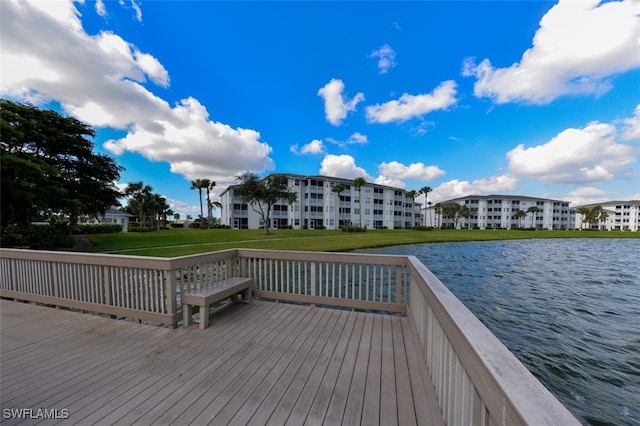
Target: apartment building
<point>621,215</point>
<point>498,212</point>
<point>374,206</point>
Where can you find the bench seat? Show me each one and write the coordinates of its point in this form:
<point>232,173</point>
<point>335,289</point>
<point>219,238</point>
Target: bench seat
<point>206,296</point>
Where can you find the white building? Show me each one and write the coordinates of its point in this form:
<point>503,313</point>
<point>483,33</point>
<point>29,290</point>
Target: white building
<point>622,215</point>
<point>113,216</point>
<point>374,206</point>
<point>497,212</point>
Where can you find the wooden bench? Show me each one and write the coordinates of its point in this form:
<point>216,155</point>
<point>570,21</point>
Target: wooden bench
<point>205,296</point>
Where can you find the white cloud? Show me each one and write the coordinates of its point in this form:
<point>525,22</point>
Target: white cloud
<point>577,46</point>
<point>336,106</point>
<point>409,106</point>
<point>457,188</point>
<point>100,8</point>
<point>196,146</point>
<point>386,58</point>
<point>137,9</point>
<point>586,195</point>
<point>343,166</point>
<point>632,126</point>
<point>590,154</point>
<point>46,55</point>
<point>314,147</point>
<point>395,172</point>
<point>358,138</point>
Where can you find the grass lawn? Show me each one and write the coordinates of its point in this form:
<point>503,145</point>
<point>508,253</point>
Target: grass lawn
<point>182,242</point>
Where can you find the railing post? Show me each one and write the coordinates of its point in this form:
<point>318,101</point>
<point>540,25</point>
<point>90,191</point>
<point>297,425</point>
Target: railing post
<point>313,280</point>
<point>399,284</point>
<point>228,267</point>
<point>106,289</point>
<point>170,280</point>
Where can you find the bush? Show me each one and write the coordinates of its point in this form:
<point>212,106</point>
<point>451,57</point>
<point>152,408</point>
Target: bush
<point>140,229</point>
<point>352,228</point>
<point>423,228</point>
<point>38,237</point>
<point>320,227</point>
<point>105,228</point>
<point>177,225</point>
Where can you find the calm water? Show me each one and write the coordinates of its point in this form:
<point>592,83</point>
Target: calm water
<point>568,309</point>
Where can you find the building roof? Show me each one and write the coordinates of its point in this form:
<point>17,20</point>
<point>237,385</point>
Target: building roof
<point>504,197</point>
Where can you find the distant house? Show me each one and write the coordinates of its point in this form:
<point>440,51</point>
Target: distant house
<point>114,216</point>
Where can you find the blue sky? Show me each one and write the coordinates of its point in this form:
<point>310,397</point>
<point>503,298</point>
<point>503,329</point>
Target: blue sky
<point>512,97</point>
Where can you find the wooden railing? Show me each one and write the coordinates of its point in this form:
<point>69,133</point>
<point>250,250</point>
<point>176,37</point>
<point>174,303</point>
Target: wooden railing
<point>476,378</point>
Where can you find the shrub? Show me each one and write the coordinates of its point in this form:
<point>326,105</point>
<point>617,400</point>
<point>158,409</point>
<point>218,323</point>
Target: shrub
<point>177,225</point>
<point>140,229</point>
<point>318,227</point>
<point>422,228</point>
<point>104,228</point>
<point>38,237</point>
<point>352,228</point>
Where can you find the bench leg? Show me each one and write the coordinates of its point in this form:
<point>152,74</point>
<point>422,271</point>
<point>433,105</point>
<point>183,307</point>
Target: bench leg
<point>247,295</point>
<point>186,315</point>
<point>204,317</point>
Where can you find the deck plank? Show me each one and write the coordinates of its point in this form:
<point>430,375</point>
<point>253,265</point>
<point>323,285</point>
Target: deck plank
<point>256,364</point>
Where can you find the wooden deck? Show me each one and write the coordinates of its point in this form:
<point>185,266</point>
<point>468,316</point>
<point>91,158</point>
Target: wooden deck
<point>263,363</point>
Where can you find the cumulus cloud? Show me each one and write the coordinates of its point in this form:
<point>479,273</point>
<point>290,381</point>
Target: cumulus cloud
<point>394,173</point>
<point>590,154</point>
<point>314,147</point>
<point>409,106</point>
<point>343,166</point>
<point>336,105</point>
<point>102,80</point>
<point>632,126</point>
<point>577,46</point>
<point>460,188</point>
<point>386,58</point>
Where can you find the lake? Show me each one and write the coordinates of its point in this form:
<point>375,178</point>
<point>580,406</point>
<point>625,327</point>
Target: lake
<point>569,309</point>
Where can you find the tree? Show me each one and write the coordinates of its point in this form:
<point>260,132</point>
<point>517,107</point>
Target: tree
<point>455,211</point>
<point>593,215</point>
<point>210,205</point>
<point>438,210</point>
<point>519,215</point>
<point>584,211</point>
<point>200,184</point>
<point>603,216</point>
<point>533,210</point>
<point>48,166</point>
<point>429,203</point>
<point>176,217</point>
<point>262,194</point>
<point>358,183</point>
<point>139,194</point>
<point>425,190</point>
<point>338,188</point>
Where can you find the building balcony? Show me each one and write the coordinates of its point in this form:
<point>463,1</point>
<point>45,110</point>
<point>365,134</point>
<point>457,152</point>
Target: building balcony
<point>356,339</point>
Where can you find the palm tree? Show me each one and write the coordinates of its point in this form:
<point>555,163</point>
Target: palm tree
<point>431,218</point>
<point>210,186</point>
<point>603,218</point>
<point>139,194</point>
<point>438,209</point>
<point>359,183</point>
<point>412,194</point>
<point>425,190</point>
<point>338,188</point>
<point>584,211</point>
<point>519,215</point>
<point>200,184</point>
<point>533,210</point>
<point>212,206</point>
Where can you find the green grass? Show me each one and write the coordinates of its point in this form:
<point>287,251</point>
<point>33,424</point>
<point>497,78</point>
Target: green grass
<point>182,242</point>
